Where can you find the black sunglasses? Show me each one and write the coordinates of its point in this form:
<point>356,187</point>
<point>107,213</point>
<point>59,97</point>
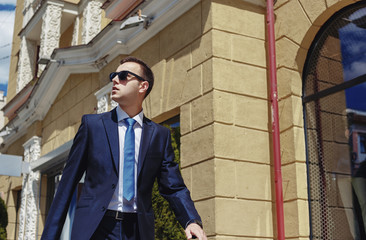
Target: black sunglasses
<point>122,75</point>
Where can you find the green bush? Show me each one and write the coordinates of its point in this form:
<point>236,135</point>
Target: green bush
<point>166,225</point>
<point>3,220</point>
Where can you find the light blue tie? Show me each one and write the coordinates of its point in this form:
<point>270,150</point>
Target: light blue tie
<point>129,161</point>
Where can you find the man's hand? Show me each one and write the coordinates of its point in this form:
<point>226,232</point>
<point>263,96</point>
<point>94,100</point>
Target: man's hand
<point>194,229</point>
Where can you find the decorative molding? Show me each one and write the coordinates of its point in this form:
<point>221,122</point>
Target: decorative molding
<point>92,21</point>
<point>113,103</point>
<point>26,61</point>
<point>75,34</point>
<point>50,35</point>
<point>103,98</point>
<point>28,216</point>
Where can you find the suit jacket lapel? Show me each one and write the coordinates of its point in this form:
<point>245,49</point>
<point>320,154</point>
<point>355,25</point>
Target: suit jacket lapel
<point>111,127</point>
<point>147,132</point>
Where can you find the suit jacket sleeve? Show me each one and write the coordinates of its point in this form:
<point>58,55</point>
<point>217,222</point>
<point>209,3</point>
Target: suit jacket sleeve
<point>72,173</point>
<point>172,187</point>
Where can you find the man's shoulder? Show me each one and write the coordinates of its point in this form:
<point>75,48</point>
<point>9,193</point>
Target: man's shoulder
<point>96,117</point>
<point>158,126</point>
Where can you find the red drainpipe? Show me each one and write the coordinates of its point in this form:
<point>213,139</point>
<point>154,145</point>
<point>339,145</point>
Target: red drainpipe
<point>275,120</point>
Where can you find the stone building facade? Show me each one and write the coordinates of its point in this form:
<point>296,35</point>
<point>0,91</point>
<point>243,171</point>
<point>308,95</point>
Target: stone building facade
<point>211,67</point>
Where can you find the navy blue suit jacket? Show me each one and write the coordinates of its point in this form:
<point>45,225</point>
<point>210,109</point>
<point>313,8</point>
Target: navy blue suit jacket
<point>95,151</point>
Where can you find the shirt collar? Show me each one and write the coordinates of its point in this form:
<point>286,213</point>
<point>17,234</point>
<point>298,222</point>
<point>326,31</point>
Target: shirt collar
<point>122,115</point>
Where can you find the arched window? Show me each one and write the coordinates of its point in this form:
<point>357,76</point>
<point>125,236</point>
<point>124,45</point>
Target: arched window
<point>334,98</point>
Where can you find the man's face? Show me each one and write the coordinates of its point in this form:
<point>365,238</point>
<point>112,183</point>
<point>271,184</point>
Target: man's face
<point>127,91</point>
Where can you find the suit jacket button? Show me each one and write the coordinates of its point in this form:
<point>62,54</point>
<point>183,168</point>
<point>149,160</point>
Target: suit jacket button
<point>103,209</point>
<point>113,186</point>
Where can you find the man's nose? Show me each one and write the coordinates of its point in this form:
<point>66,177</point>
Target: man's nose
<point>115,80</point>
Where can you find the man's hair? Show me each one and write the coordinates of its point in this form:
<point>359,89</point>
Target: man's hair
<point>148,75</point>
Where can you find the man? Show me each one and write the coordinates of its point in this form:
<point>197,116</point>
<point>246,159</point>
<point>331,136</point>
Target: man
<point>121,153</point>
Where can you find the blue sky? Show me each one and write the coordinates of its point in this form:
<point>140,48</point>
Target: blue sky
<point>353,47</point>
<point>7,12</point>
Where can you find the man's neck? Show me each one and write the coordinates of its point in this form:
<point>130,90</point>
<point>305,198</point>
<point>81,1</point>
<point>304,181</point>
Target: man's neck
<point>131,110</point>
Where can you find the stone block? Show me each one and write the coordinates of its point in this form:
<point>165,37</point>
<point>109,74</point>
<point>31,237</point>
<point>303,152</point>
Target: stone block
<point>232,16</point>
<point>49,132</point>
<point>239,78</point>
<point>74,113</point>
<point>71,99</point>
<point>290,112</point>
<point>63,137</point>
<point>89,104</point>
<point>11,229</point>
<point>197,146</point>
<point>154,101</point>
<point>222,44</point>
<point>289,82</point>
<point>202,111</point>
<point>249,50</point>
<point>75,79</point>
<point>203,180</point>
<point>313,9</point>
<point>292,145</point>
<point>65,89</point>
<point>232,217</point>
<point>187,177</point>
<point>176,76</point>
<point>185,119</point>
<point>149,51</point>
<point>225,176</point>
<point>294,180</point>
<point>279,3</point>
<point>47,119</point>
<point>206,15</point>
<point>181,32</point>
<point>62,122</point>
<point>224,107</point>
<point>251,112</point>
<point>296,214</point>
<point>192,87</point>
<point>292,22</point>
<point>207,210</point>
<point>202,48</point>
<point>83,90</point>
<point>286,53</point>
<point>12,215</point>
<point>207,76</point>
<point>241,144</point>
<point>253,181</point>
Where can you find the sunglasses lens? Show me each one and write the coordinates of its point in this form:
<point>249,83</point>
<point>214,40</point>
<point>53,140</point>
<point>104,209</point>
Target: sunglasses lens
<point>122,75</point>
<point>112,75</point>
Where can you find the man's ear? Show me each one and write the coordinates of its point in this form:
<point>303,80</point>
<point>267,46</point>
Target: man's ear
<point>144,86</point>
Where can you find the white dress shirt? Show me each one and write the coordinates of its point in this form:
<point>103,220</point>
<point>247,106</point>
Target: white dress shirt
<point>118,202</point>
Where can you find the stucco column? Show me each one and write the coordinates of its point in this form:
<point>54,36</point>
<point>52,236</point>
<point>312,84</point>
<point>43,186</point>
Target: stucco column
<point>28,214</point>
<point>26,62</point>
<point>50,35</point>
<point>104,99</point>
<point>28,11</point>
<point>92,21</point>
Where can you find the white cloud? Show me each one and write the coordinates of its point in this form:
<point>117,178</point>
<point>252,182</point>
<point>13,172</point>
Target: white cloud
<point>12,2</point>
<point>355,69</point>
<point>6,30</point>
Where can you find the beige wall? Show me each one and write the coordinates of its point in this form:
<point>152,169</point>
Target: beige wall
<point>63,119</point>
<point>66,37</point>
